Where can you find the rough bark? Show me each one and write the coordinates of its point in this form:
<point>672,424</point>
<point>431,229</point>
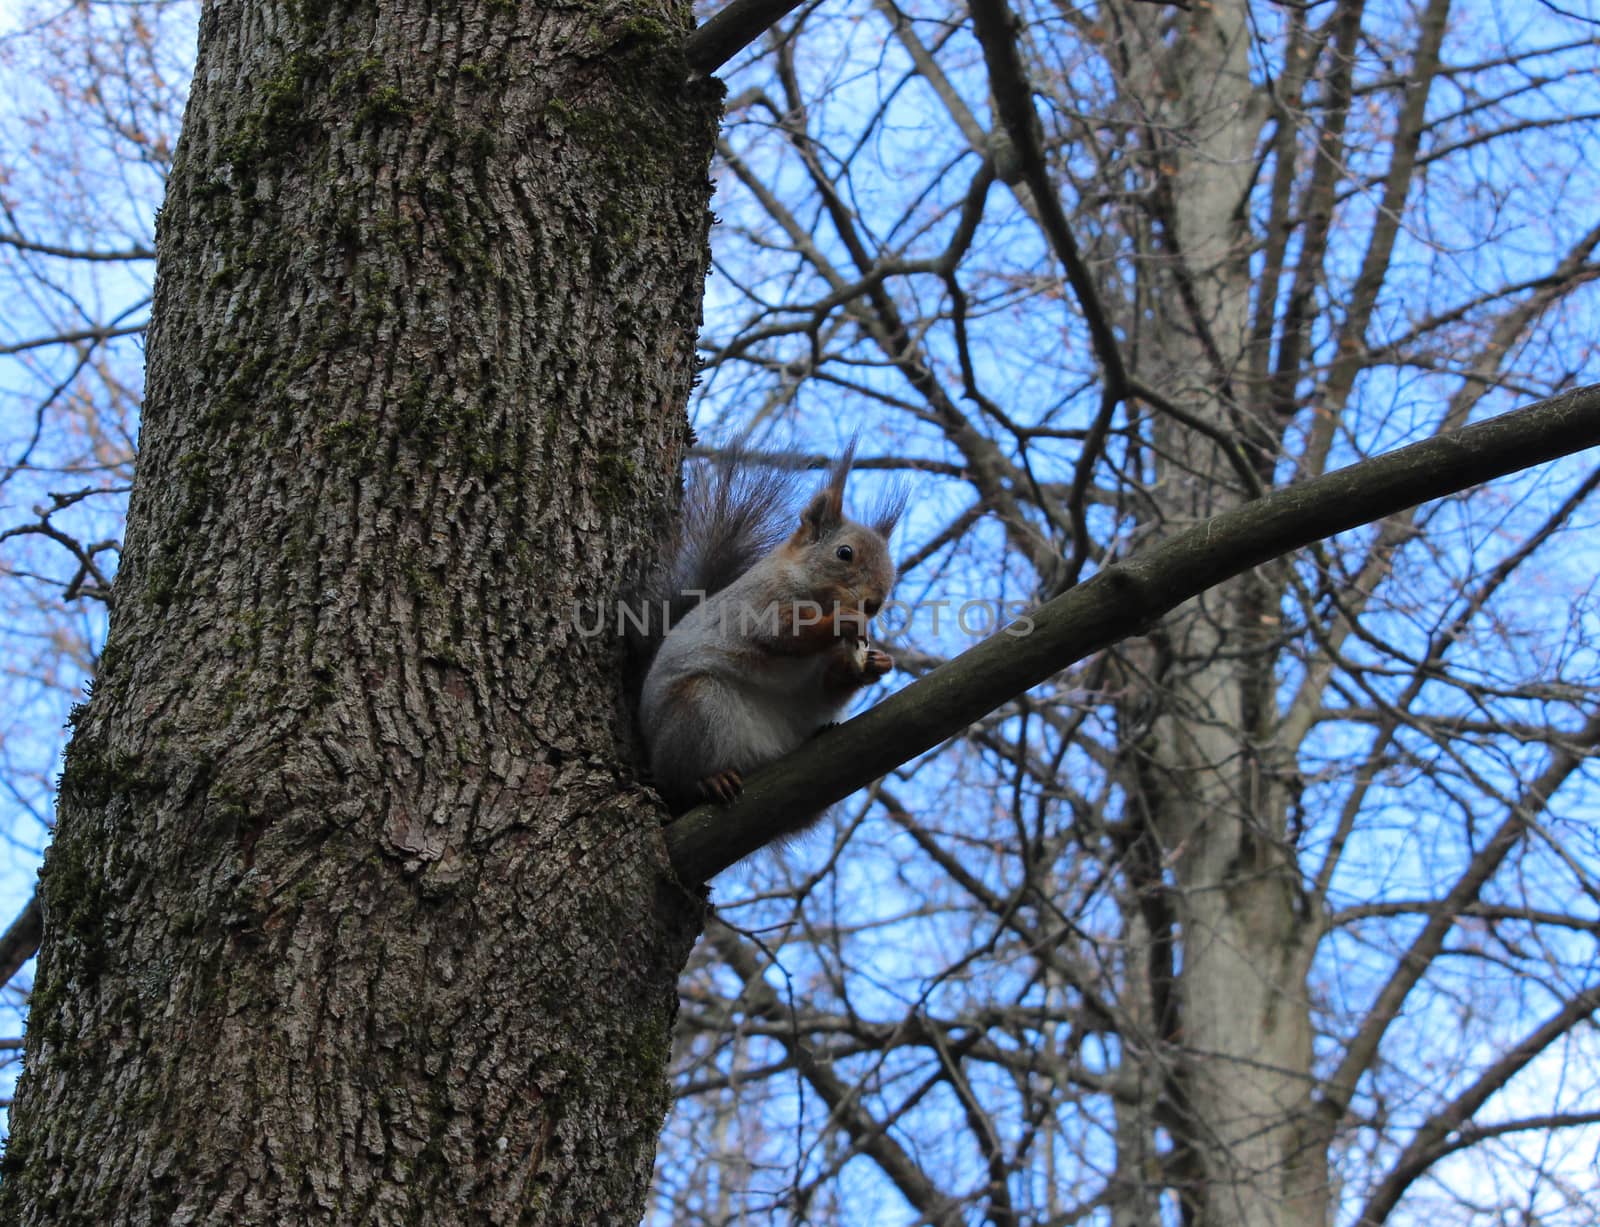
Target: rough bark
<point>353,913</point>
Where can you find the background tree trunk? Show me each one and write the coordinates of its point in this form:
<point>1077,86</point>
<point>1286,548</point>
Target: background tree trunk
<point>353,913</point>
<point>1214,879</point>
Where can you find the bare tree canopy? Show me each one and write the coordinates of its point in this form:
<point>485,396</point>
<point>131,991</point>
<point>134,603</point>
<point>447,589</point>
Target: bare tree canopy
<point>1227,855</point>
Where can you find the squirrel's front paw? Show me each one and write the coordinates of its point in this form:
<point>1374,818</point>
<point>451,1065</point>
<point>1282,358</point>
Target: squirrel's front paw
<point>724,786</point>
<point>875,663</point>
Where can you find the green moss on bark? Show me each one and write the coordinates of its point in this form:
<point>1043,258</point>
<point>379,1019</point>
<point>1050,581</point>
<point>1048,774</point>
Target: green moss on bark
<point>271,135</point>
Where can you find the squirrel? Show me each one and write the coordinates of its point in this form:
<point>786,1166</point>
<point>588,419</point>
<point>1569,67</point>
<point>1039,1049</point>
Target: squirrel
<point>777,643</point>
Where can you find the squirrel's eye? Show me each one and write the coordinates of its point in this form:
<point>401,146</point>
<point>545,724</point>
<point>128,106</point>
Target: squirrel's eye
<point>844,553</point>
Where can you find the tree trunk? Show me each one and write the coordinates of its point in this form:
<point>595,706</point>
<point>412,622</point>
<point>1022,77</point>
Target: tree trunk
<point>1237,1009</point>
<point>353,912</point>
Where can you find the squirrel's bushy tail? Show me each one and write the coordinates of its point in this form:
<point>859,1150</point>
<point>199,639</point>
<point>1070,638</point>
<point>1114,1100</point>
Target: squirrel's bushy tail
<point>736,510</point>
<point>735,513</point>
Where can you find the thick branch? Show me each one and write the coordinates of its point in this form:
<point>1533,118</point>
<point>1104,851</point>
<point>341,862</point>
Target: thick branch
<point>1114,604</point>
<point>19,943</point>
<point>730,30</point>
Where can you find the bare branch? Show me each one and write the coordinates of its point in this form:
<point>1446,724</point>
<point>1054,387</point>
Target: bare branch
<point>731,29</point>
<point>73,338</point>
<point>19,943</point>
<point>1116,603</point>
<point>867,1135</point>
<point>75,253</point>
<point>1447,1130</point>
<point>995,25</point>
<point>1362,1050</point>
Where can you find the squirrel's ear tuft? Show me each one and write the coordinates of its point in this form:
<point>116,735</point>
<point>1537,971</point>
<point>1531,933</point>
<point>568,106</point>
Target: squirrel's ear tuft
<point>888,511</point>
<point>823,514</point>
<point>841,470</point>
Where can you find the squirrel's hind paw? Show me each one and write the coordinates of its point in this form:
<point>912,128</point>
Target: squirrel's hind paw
<point>724,786</point>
